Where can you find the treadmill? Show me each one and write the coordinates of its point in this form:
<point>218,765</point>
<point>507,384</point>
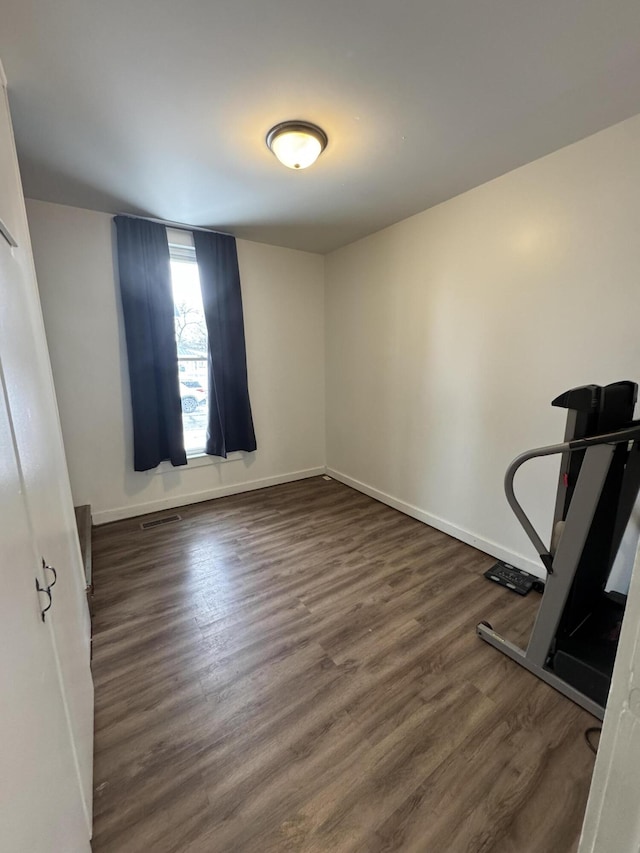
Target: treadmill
<point>574,640</point>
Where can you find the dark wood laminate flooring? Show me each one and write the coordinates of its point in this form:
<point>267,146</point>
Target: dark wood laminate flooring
<point>296,669</point>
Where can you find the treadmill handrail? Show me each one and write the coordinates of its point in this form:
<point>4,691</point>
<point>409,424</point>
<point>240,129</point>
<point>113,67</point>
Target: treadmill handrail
<point>520,514</point>
<point>631,433</point>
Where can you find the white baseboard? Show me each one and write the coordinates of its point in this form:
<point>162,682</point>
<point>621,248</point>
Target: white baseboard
<point>170,502</point>
<point>491,548</point>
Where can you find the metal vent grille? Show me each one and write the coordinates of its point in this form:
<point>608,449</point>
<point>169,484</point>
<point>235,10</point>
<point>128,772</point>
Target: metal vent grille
<point>167,519</point>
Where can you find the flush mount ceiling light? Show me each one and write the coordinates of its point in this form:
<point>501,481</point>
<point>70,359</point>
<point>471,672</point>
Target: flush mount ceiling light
<point>297,144</point>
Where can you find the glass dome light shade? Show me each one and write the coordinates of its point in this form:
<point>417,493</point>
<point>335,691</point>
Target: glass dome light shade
<point>296,144</point>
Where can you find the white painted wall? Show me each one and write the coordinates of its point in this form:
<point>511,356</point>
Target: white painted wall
<point>449,334</point>
<point>283,296</point>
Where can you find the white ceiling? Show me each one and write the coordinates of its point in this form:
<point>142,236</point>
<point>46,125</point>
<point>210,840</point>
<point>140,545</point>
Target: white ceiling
<point>161,108</point>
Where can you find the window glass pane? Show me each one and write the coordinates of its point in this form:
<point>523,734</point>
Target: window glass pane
<point>191,340</point>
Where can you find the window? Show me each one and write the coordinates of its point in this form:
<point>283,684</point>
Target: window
<point>191,340</point>
<point>200,262</point>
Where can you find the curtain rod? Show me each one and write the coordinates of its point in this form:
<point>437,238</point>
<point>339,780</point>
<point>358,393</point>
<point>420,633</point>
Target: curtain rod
<point>180,226</point>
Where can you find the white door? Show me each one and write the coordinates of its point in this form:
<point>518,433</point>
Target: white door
<point>612,821</point>
<point>33,409</point>
<point>9,201</point>
<point>40,804</point>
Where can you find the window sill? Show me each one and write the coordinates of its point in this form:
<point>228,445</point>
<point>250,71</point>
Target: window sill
<point>197,460</point>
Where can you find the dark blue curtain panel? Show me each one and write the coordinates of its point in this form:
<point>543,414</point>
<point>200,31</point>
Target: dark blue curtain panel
<point>147,304</point>
<point>230,424</point>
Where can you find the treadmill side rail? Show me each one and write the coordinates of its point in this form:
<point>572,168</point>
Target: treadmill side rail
<point>593,474</point>
<point>591,480</point>
<point>520,656</point>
